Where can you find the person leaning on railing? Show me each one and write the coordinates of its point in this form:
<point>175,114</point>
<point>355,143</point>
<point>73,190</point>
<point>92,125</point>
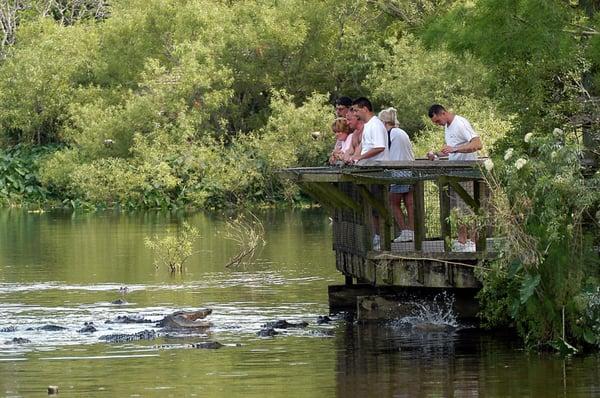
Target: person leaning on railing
<point>400,148</point>
<point>356,127</point>
<point>343,139</point>
<point>461,143</point>
<point>342,106</point>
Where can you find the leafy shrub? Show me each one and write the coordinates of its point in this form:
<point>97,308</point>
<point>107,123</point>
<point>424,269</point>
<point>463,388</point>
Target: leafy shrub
<point>413,78</point>
<point>173,251</point>
<point>540,201</point>
<point>105,182</point>
<point>245,171</point>
<point>39,79</point>
<point>19,182</point>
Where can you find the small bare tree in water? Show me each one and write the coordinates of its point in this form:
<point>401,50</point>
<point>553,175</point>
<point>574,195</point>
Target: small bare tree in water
<point>173,250</point>
<point>247,232</point>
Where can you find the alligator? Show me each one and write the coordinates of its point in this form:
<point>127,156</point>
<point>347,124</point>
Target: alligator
<point>88,327</point>
<point>51,328</point>
<point>186,320</point>
<point>208,345</point>
<point>18,340</point>
<point>129,319</point>
<point>176,321</point>
<point>283,324</point>
<point>122,338</point>
<point>267,332</point>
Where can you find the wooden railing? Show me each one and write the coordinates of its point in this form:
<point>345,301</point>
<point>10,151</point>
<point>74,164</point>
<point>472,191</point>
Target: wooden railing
<point>348,193</point>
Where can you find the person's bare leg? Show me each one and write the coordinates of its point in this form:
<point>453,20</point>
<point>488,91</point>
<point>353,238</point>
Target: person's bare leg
<point>396,204</point>
<point>410,210</point>
<point>376,223</point>
<point>473,233</point>
<point>462,233</point>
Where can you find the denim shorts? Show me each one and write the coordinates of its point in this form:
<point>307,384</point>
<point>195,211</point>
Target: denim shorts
<point>395,188</point>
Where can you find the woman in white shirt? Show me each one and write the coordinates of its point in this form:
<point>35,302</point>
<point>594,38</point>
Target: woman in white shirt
<point>400,148</point>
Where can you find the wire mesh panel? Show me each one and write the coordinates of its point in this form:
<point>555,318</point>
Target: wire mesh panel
<point>349,228</point>
<point>432,211</point>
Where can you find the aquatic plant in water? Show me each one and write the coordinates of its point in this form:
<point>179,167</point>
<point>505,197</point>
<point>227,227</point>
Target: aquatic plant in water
<point>173,250</point>
<point>248,235</point>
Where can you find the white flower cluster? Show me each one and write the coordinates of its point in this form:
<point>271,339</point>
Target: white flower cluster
<point>520,163</point>
<point>557,133</point>
<point>488,164</point>
<point>508,154</point>
<point>528,137</point>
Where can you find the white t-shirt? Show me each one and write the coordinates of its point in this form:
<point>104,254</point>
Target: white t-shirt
<point>375,136</point>
<point>400,146</point>
<point>460,132</point>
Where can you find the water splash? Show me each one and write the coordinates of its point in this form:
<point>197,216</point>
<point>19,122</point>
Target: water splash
<point>438,311</point>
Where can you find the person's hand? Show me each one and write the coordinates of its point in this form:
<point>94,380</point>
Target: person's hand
<point>447,149</point>
<point>431,155</point>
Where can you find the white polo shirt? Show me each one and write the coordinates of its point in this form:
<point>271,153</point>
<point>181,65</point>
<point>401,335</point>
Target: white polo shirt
<point>375,136</point>
<point>400,145</point>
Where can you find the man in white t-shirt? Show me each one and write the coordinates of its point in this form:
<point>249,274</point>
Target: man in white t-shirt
<point>374,136</point>
<point>462,143</point>
<point>373,146</point>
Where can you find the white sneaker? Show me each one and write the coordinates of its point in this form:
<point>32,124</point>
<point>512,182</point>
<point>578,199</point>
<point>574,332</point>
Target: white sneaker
<point>467,247</point>
<point>458,247</point>
<point>470,246</point>
<point>376,242</point>
<point>406,235</point>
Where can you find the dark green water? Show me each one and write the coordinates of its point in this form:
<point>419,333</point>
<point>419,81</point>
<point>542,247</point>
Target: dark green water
<point>65,269</point>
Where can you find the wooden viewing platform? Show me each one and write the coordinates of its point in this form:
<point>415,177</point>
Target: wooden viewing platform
<point>351,195</point>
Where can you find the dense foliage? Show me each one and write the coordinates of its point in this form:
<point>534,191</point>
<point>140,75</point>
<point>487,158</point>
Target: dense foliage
<point>174,103</point>
<point>542,70</point>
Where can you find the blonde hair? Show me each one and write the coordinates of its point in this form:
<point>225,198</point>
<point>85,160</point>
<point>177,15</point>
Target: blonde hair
<point>389,115</point>
<point>340,124</point>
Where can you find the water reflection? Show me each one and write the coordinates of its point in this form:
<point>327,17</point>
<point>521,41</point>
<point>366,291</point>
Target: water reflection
<point>378,360</point>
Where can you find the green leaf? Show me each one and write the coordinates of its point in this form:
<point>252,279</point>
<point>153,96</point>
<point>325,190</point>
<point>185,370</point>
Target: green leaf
<point>590,337</point>
<point>528,287</point>
<point>514,267</point>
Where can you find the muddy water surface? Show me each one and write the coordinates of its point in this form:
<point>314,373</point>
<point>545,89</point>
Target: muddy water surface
<point>65,269</point>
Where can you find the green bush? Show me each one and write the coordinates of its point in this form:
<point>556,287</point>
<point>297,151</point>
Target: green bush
<point>38,80</point>
<point>541,200</point>
<point>19,181</point>
<point>413,78</point>
<point>245,170</point>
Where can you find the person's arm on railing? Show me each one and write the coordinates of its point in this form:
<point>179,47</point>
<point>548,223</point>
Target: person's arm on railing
<point>472,146</point>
